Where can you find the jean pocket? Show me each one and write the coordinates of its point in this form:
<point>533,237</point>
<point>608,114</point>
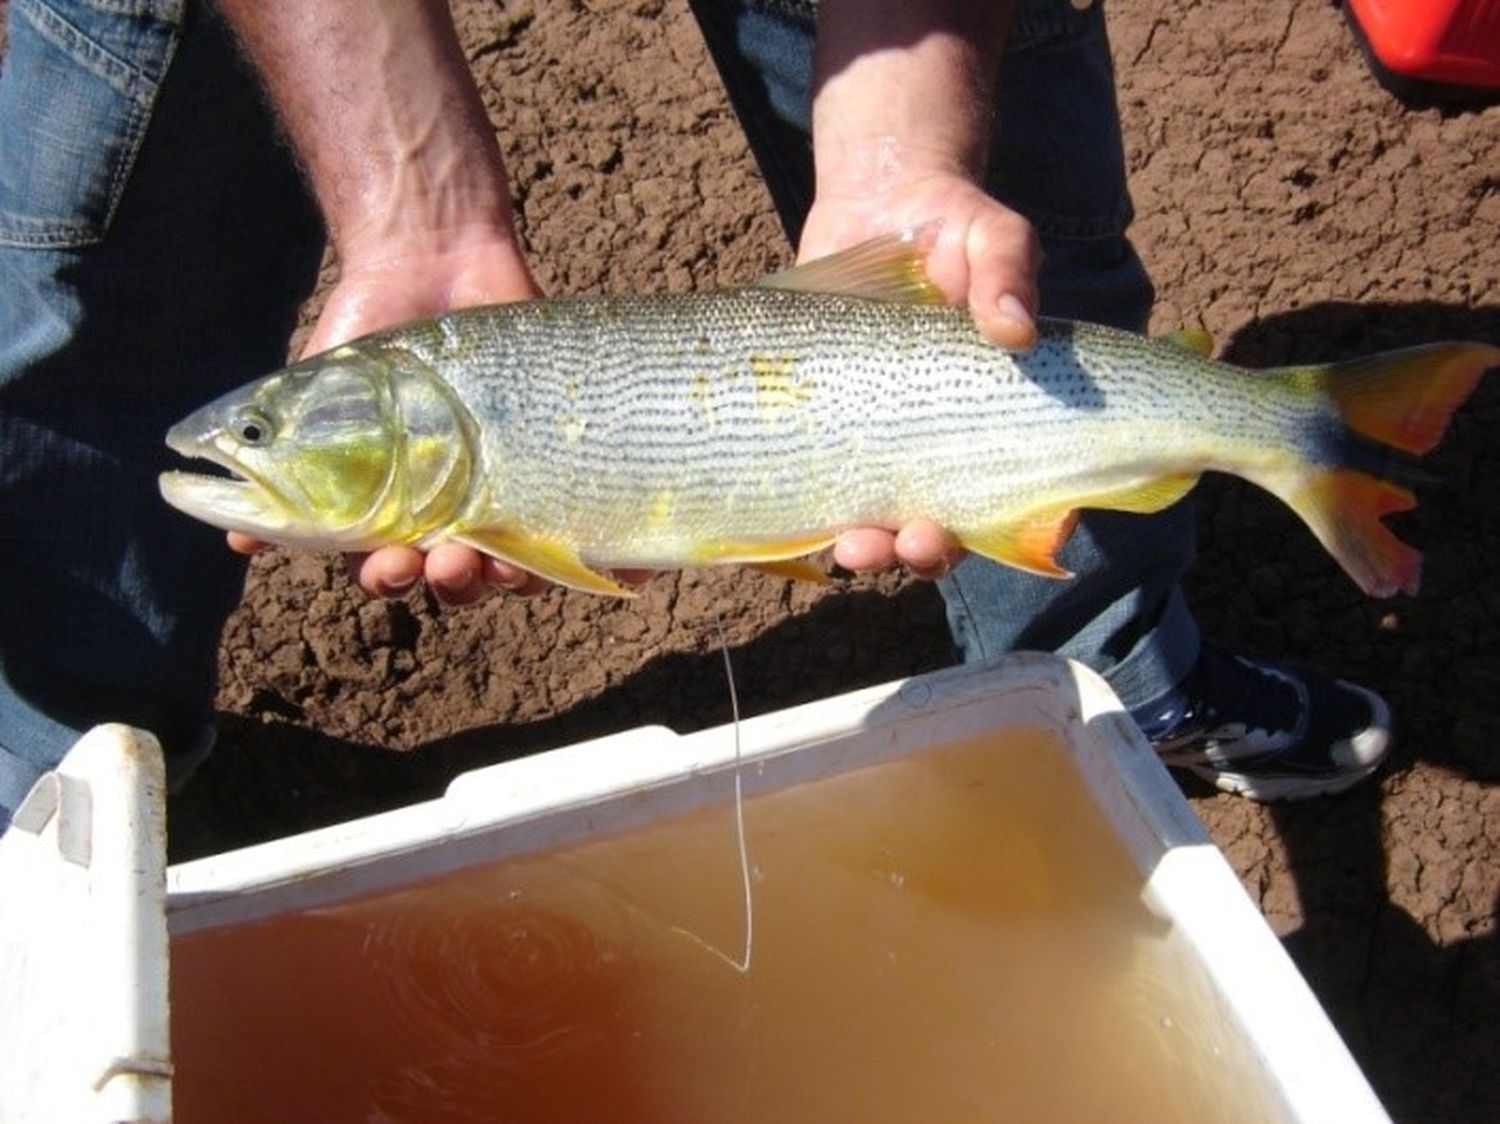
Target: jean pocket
<point>79,80</point>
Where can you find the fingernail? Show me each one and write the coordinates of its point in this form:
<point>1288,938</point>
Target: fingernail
<point>516,582</point>
<point>397,586</point>
<point>936,572</point>
<point>1011,308</point>
<point>455,597</point>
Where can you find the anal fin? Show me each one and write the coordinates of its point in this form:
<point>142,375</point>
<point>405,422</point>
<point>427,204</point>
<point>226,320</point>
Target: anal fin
<point>1142,497</point>
<point>1032,542</point>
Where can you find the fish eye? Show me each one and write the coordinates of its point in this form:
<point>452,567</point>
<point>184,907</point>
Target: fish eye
<point>252,428</point>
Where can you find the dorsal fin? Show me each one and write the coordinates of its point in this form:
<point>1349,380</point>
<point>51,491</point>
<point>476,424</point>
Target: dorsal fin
<point>889,268</point>
<point>1196,340</point>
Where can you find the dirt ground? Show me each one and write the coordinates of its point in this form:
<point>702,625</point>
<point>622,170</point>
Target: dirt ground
<point>1285,202</point>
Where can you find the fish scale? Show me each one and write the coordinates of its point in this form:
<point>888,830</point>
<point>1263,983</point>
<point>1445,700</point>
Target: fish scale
<point>590,413</point>
<point>754,424</point>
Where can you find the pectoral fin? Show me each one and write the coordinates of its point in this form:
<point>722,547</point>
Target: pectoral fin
<point>1029,545</point>
<point>553,561</point>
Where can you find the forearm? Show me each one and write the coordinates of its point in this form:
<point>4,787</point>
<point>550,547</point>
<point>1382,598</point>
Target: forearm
<point>380,106</point>
<point>904,88</point>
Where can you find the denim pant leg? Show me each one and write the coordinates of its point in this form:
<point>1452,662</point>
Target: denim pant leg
<point>155,242</point>
<point>1058,159</point>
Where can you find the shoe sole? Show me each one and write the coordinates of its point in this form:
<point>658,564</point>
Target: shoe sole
<point>1270,790</point>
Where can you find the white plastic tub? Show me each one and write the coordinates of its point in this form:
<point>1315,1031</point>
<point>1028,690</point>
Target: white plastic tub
<point>976,895</point>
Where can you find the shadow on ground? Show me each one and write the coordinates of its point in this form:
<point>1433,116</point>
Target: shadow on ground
<point>1390,988</point>
<point>269,779</point>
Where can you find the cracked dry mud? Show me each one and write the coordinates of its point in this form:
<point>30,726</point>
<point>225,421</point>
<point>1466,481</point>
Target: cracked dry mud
<point>1285,202</point>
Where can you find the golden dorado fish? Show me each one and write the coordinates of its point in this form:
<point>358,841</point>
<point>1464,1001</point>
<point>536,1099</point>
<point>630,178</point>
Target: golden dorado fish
<point>752,425</point>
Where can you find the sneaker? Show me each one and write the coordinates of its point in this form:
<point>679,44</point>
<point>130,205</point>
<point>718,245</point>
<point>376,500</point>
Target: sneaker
<point>1268,731</point>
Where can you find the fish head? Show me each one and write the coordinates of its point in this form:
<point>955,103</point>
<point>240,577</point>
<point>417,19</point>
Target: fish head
<point>352,449</point>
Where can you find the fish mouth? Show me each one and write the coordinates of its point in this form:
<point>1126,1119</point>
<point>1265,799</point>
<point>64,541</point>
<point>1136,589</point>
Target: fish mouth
<point>229,504</point>
<point>232,501</point>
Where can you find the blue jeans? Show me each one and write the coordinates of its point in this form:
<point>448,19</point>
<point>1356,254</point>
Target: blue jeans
<point>1057,158</point>
<point>155,242</point>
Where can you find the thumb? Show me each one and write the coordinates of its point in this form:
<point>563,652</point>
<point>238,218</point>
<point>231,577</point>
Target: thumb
<point>1004,254</point>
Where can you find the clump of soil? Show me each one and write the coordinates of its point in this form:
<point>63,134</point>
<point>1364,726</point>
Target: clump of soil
<point>1285,202</point>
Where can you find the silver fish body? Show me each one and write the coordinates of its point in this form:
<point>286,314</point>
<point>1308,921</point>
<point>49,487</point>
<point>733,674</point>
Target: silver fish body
<point>638,430</point>
<point>753,424</point>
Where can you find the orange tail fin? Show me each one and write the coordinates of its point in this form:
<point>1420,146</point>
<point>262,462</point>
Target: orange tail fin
<point>1344,508</point>
<point>1406,398</point>
<point>1403,400</point>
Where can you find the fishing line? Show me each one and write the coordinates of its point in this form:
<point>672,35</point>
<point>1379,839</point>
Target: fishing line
<point>743,966</point>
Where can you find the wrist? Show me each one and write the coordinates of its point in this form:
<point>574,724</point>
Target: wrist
<point>904,91</point>
<point>428,175</point>
<point>415,216</point>
<point>379,103</point>
<point>875,165</point>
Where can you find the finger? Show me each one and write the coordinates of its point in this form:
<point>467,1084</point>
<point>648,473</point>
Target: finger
<point>1004,256</point>
<point>456,574</point>
<point>387,572</point>
<point>244,544</point>
<point>513,579</point>
<point>927,549</point>
<point>1006,323</point>
<point>865,549</point>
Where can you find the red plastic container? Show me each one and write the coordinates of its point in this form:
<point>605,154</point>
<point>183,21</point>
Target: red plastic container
<point>1439,42</point>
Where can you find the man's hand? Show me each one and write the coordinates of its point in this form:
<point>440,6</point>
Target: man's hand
<point>392,284</point>
<point>902,112</point>
<point>381,106</point>
<point>388,289</point>
<point>984,256</point>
